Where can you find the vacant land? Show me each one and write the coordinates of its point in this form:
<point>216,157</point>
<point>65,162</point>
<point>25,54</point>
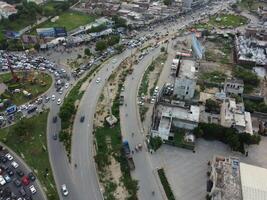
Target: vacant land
<point>69,20</point>
<point>28,139</point>
<point>36,85</point>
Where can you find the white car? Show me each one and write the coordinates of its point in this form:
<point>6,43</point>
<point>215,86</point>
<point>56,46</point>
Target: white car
<point>58,101</point>
<point>98,80</point>
<point>61,91</point>
<point>64,190</point>
<point>2,180</point>
<point>8,156</point>
<point>67,85</point>
<point>14,164</point>
<point>53,97</point>
<point>32,189</point>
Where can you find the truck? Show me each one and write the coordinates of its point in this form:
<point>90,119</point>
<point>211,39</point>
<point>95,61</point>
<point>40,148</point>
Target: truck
<point>127,152</point>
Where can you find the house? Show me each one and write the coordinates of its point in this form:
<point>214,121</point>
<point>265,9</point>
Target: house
<point>166,117</point>
<point>6,9</point>
<point>184,88</point>
<point>234,115</point>
<point>233,86</point>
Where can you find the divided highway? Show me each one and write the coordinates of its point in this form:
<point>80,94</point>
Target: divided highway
<point>82,152</point>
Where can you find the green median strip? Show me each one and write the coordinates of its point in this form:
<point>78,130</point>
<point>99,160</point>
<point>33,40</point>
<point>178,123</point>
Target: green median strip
<point>28,139</point>
<point>165,184</point>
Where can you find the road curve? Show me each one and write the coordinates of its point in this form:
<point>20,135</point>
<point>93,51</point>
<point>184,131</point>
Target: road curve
<point>82,152</point>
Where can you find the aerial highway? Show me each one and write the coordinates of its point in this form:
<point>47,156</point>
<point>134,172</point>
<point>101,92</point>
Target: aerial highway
<point>82,152</point>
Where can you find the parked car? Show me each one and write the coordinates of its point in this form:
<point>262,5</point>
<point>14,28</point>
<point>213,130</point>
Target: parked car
<point>58,101</point>
<point>17,182</point>
<point>55,136</point>
<point>31,176</point>
<point>10,172</point>
<point>8,156</point>
<point>7,178</point>
<point>22,191</point>
<point>2,180</point>
<point>25,180</point>
<point>20,173</point>
<point>14,164</point>
<point>32,189</point>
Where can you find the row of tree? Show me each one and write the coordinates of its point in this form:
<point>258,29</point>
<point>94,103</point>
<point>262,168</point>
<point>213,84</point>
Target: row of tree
<point>226,135</point>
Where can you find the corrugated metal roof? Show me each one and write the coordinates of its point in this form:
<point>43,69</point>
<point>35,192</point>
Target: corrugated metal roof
<point>254,182</point>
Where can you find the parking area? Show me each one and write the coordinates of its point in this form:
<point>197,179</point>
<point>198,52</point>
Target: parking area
<point>187,171</point>
<point>16,181</point>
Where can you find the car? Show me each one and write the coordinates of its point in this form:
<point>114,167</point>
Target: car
<point>61,91</point>
<point>7,178</point>
<point>9,171</point>
<point>58,101</point>
<point>53,97</point>
<point>32,189</point>
<point>67,85</point>
<point>64,190</point>
<point>47,99</point>
<point>55,119</point>
<point>2,180</point>
<point>31,176</point>
<point>25,180</point>
<point>17,182</point>
<point>3,159</point>
<point>98,80</point>
<point>20,173</point>
<point>14,164</point>
<point>8,156</point>
<point>22,191</point>
<point>55,136</point>
<point>82,119</point>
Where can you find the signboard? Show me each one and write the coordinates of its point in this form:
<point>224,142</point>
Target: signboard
<point>12,109</point>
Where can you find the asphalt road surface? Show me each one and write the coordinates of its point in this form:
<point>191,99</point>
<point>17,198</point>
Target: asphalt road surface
<point>82,153</point>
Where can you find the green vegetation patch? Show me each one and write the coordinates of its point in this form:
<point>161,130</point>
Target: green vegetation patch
<point>70,20</point>
<point>226,135</point>
<point>254,105</point>
<point>214,77</point>
<point>165,184</point>
<point>37,86</point>
<point>228,20</point>
<point>28,139</point>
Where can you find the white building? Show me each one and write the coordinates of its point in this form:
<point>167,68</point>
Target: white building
<point>6,10</point>
<point>178,117</point>
<point>234,115</point>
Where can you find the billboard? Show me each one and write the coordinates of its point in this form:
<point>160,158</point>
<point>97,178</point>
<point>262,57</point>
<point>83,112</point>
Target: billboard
<point>60,32</point>
<point>52,32</point>
<point>11,34</point>
<point>46,32</point>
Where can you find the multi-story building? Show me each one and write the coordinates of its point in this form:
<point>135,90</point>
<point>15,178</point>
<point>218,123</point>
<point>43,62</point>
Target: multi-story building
<point>234,115</point>
<point>184,88</point>
<point>233,86</point>
<point>6,10</point>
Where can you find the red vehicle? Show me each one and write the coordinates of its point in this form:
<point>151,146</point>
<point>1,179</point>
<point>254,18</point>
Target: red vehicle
<point>25,180</point>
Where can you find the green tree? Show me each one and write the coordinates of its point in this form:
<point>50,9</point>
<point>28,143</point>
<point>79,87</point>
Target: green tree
<point>167,2</point>
<point>212,106</point>
<point>155,142</point>
<point>87,52</point>
<point>23,128</point>
<point>101,45</point>
<point>112,40</point>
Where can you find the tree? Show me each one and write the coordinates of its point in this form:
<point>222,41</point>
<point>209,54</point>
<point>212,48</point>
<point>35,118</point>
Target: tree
<point>112,40</point>
<point>162,49</point>
<point>167,2</point>
<point>101,45</point>
<point>155,142</point>
<point>22,128</point>
<point>87,52</point>
<point>212,106</point>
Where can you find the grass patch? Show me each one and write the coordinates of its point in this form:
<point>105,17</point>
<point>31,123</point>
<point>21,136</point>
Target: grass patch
<point>70,20</point>
<point>165,184</point>
<point>228,20</point>
<point>36,88</point>
<point>215,76</point>
<point>109,143</point>
<point>28,139</point>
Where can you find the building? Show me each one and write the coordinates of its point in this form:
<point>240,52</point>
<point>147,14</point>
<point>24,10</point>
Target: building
<point>6,10</point>
<point>234,86</point>
<point>184,88</point>
<point>250,51</point>
<point>234,115</point>
<point>231,179</point>
<point>191,4</point>
<point>166,117</point>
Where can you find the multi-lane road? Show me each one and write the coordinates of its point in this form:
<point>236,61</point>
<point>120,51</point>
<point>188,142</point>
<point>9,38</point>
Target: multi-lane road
<point>82,181</point>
